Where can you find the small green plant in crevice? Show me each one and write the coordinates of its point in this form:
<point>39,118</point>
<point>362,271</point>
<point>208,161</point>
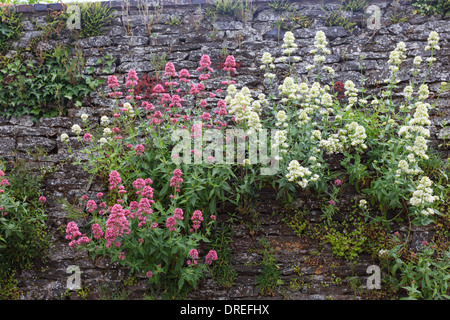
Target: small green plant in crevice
<point>432,7</point>
<point>242,10</point>
<point>94,18</point>
<point>337,18</point>
<point>174,20</point>
<point>223,271</point>
<point>269,278</point>
<point>281,5</point>
<point>353,5</point>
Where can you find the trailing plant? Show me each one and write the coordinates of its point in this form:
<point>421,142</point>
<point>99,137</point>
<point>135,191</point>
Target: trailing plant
<point>44,89</point>
<point>10,28</point>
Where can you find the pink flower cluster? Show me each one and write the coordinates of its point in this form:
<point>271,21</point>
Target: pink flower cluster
<point>132,79</point>
<point>114,179</point>
<point>193,253</point>
<point>176,180</point>
<point>73,232</point>
<point>210,257</point>
<point>116,226</point>
<point>230,64</point>
<point>197,218</point>
<point>139,149</point>
<point>113,84</point>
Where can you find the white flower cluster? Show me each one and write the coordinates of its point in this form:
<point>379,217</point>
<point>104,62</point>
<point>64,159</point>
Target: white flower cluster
<point>413,135</point>
<point>358,134</point>
<point>242,107</point>
<point>433,39</point>
<point>280,139</point>
<point>363,204</point>
<point>423,92</point>
<point>320,51</point>
<point>76,129</point>
<point>281,119</point>
<point>64,137</point>
<point>418,122</point>
<point>423,197</point>
<point>403,166</point>
<point>353,136</point>
<point>300,174</point>
<point>129,108</point>
<point>289,47</point>
<point>396,57</point>
<point>268,65</point>
<point>335,143</point>
<point>104,121</point>
<point>352,92</point>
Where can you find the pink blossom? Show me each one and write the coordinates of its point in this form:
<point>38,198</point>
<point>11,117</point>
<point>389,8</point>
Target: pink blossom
<point>170,223</point>
<point>139,149</point>
<point>138,183</point>
<point>112,82</point>
<point>183,75</point>
<point>72,231</point>
<point>117,225</point>
<point>193,253</point>
<point>170,70</point>
<point>178,214</point>
<point>91,205</point>
<point>158,89</point>
<point>197,218</point>
<point>205,116</point>
<point>114,179</point>
<point>337,182</point>
<point>147,192</point>
<point>210,257</point>
<point>230,64</point>
<point>131,79</point>
<point>97,231</point>
<point>205,63</point>
<point>87,137</point>
<point>42,199</point>
<point>99,195</point>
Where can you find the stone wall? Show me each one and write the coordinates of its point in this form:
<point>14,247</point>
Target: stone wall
<point>184,44</point>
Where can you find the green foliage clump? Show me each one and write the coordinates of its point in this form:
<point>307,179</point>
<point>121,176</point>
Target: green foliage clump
<point>10,28</point>
<point>94,17</point>
<point>432,7</point>
<point>269,278</point>
<point>424,274</point>
<point>43,89</point>
<point>23,232</point>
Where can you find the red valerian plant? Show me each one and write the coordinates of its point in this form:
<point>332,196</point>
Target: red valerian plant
<point>143,236</point>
